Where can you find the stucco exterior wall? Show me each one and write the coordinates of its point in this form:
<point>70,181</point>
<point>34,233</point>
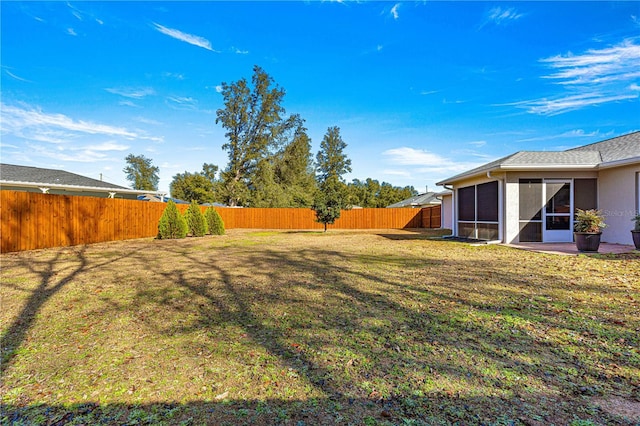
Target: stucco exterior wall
<point>452,209</point>
<point>618,200</point>
<point>447,212</point>
<point>512,197</point>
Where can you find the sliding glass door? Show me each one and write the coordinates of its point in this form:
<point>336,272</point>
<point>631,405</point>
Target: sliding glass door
<point>557,213</point>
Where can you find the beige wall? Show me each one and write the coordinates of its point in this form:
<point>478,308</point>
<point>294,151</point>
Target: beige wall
<point>512,196</point>
<point>447,212</point>
<point>618,200</point>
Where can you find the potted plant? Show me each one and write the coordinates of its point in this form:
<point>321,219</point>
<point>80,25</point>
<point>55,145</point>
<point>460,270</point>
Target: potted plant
<point>635,233</point>
<point>588,229</point>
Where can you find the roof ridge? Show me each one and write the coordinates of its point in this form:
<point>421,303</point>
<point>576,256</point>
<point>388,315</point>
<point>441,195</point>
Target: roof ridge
<point>582,147</point>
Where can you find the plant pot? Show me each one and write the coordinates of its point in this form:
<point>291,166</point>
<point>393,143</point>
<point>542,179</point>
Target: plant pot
<point>636,239</point>
<point>587,241</point>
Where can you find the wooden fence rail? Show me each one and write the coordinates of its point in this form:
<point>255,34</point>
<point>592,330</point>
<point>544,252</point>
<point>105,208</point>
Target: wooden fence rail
<point>32,221</point>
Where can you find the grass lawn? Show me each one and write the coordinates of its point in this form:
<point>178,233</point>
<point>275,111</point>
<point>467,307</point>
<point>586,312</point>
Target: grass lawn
<point>307,328</point>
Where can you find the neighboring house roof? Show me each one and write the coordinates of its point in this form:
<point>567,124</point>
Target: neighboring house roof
<point>36,177</point>
<point>156,198</point>
<point>612,152</point>
<point>418,200</point>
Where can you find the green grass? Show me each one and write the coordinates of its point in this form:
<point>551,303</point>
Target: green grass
<point>347,327</point>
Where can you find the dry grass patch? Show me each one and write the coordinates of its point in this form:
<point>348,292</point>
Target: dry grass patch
<point>388,327</point>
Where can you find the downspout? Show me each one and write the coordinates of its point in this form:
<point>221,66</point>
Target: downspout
<point>501,220</point>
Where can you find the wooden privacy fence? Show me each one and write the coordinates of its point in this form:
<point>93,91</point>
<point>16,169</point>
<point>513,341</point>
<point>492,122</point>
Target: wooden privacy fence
<point>31,220</point>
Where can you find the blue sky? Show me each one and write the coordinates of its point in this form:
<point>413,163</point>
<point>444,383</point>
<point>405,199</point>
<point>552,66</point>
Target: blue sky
<point>420,90</point>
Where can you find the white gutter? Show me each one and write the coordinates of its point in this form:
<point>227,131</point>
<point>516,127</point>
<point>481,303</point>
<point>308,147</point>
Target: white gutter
<point>618,163</point>
<point>47,187</point>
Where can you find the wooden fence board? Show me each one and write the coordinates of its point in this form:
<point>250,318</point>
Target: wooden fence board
<point>31,220</point>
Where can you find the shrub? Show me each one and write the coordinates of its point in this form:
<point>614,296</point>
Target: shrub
<point>172,224</point>
<point>196,224</point>
<point>216,225</point>
<point>589,221</point>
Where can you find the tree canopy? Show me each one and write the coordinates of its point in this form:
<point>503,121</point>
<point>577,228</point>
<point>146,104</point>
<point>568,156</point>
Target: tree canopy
<point>270,162</point>
<point>371,193</point>
<point>331,164</point>
<point>142,174</point>
<point>252,116</point>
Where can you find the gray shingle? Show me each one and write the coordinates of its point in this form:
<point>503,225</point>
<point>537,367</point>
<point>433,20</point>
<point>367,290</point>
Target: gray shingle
<point>553,158</point>
<point>615,149</point>
<point>418,200</point>
<point>13,173</point>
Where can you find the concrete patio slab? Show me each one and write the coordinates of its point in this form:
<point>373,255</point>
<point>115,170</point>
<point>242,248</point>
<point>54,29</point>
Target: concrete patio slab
<point>569,249</point>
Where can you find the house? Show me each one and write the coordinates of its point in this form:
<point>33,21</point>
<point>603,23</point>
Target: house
<point>531,196</point>
<point>427,199</point>
<point>52,181</point>
<point>160,198</point>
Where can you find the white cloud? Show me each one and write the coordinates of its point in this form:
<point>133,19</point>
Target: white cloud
<point>478,144</point>
<point>595,77</point>
<point>148,121</point>
<point>71,32</point>
<point>107,146</point>
<point>134,93</point>
<point>500,16</point>
<point>428,164</point>
<point>128,103</point>
<point>79,154</point>
<point>617,63</point>
<point>572,134</point>
<point>413,157</point>
<point>187,38</point>
<point>75,155</point>
<point>33,123</point>
<point>182,102</point>
<point>561,105</point>
<point>177,76</point>
<point>10,74</point>
<point>394,11</point>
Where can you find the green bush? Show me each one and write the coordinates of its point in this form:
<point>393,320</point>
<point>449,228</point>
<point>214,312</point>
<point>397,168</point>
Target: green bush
<point>172,224</point>
<point>196,224</point>
<point>216,225</point>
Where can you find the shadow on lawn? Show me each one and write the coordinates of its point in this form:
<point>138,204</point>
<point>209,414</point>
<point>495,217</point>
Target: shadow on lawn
<point>51,281</point>
<point>411,410</point>
<point>364,333</point>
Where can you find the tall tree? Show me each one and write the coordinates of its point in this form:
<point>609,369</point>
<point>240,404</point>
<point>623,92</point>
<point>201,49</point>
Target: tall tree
<point>252,117</point>
<point>331,164</point>
<point>294,170</point>
<point>142,174</point>
<point>266,191</point>
<point>198,186</point>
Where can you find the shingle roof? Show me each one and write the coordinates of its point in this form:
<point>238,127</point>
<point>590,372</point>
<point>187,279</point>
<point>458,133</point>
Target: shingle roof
<point>553,158</point>
<point>592,155</point>
<point>418,200</point>
<point>620,148</point>
<point>26,174</point>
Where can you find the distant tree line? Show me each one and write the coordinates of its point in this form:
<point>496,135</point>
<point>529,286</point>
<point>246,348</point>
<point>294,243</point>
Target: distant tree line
<point>270,161</point>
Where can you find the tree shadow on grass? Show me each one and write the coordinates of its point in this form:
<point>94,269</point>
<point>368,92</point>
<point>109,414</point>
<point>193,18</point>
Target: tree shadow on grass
<point>52,279</point>
<point>436,409</point>
<point>366,335</point>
